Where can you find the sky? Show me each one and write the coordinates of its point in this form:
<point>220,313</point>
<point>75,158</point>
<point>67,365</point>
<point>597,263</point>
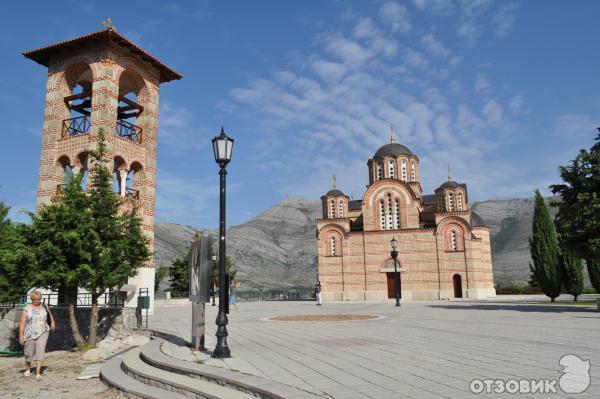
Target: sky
<point>502,91</point>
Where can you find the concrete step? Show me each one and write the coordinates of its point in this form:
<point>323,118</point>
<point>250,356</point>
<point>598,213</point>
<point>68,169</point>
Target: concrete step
<point>152,354</point>
<point>136,368</point>
<point>113,375</point>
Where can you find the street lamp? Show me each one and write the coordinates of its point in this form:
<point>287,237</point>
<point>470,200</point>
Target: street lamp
<point>222,146</point>
<point>396,274</point>
<point>212,283</point>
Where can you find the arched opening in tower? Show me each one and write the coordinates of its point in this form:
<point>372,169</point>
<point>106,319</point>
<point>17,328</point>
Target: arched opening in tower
<point>129,109</point>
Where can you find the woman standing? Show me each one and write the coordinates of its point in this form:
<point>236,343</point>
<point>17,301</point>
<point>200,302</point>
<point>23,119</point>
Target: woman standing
<point>33,333</point>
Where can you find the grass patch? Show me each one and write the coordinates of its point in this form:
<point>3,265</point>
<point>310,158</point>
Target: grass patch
<point>85,347</point>
<point>200,361</point>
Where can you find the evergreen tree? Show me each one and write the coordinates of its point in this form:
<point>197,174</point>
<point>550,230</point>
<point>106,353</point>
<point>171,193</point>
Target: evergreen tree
<point>15,257</point>
<point>578,219</point>
<point>532,277</point>
<point>572,274</point>
<point>179,275</point>
<point>120,247</point>
<point>159,276</point>
<point>544,250</point>
<point>62,243</point>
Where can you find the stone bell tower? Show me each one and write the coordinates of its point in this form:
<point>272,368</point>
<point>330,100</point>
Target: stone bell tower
<point>103,81</point>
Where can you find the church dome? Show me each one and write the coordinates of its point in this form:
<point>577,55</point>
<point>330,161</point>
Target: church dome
<point>335,192</point>
<point>450,184</point>
<point>476,220</point>
<point>393,149</point>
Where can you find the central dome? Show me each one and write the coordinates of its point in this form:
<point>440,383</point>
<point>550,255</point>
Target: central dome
<point>393,149</point>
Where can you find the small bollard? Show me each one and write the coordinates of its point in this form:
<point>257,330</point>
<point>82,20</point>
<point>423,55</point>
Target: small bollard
<point>168,295</point>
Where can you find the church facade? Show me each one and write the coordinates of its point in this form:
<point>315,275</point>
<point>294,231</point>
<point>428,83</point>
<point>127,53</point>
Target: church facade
<point>443,247</point>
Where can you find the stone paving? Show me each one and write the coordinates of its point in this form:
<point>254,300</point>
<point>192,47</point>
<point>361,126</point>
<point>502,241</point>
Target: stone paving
<point>421,350</point>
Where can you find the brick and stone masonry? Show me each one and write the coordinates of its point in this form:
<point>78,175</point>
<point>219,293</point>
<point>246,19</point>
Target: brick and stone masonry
<point>443,248</point>
<point>108,67</point>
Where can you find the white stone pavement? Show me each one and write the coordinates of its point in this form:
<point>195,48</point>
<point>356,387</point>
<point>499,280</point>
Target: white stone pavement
<point>421,350</point>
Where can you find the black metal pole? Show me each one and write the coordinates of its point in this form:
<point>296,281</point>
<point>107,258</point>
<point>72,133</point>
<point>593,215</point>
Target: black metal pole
<point>222,350</point>
<point>397,275</point>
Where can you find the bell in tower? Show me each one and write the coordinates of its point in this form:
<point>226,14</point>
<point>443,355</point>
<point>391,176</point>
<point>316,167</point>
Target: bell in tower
<point>103,81</point>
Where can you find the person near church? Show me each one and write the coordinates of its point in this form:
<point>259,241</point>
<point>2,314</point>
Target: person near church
<point>318,292</point>
<point>33,333</point>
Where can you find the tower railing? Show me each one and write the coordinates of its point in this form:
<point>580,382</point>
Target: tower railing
<point>76,126</point>
<point>129,131</point>
<point>132,193</point>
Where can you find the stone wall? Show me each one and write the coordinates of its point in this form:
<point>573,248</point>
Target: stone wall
<point>112,323</point>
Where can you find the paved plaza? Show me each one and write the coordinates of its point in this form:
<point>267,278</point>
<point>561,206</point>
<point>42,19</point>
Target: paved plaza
<point>421,350</point>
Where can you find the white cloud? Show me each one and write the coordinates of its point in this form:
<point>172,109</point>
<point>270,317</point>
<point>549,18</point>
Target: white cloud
<point>177,130</point>
<point>435,47</point>
<point>329,71</point>
<point>493,112</point>
<point>517,105</point>
<point>350,52</point>
<point>396,16</point>
<point>504,19</point>
<point>435,7</point>
<point>482,84</point>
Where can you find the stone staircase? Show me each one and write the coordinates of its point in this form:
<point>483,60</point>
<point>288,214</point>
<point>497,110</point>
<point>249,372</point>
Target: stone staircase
<point>147,372</point>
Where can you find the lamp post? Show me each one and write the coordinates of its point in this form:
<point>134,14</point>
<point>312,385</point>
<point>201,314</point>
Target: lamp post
<point>396,274</point>
<point>212,285</point>
<point>222,146</point>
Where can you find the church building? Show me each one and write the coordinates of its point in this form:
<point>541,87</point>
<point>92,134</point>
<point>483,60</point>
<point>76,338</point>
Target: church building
<point>443,247</point>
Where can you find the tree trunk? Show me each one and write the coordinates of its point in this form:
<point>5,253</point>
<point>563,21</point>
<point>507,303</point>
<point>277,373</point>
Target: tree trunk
<point>72,310</point>
<point>94,319</point>
<point>574,298</point>
<point>551,299</point>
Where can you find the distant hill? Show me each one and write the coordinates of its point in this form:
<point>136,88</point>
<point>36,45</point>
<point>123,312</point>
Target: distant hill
<point>277,249</point>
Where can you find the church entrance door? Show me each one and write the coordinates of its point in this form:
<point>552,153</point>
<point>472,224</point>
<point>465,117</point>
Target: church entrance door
<point>391,285</point>
<point>457,286</point>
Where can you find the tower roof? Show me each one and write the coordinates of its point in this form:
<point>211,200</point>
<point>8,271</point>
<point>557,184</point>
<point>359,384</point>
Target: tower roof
<point>393,149</point>
<point>43,55</point>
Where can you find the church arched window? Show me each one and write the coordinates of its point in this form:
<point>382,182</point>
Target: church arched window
<point>379,167</point>
<point>341,209</point>
<point>450,202</point>
<point>459,202</point>
<point>390,217</point>
<point>404,177</point>
<point>413,171</point>
<point>333,246</point>
<point>453,241</point>
<point>332,209</point>
<point>392,171</point>
<point>382,215</point>
<point>397,214</point>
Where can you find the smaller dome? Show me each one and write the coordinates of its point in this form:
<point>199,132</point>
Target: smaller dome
<point>393,149</point>
<point>476,220</point>
<point>450,184</point>
<point>335,192</point>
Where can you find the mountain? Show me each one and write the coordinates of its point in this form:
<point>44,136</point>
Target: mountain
<point>277,249</point>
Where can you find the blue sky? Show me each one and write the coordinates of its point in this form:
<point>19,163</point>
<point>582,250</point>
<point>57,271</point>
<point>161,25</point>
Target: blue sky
<point>504,91</point>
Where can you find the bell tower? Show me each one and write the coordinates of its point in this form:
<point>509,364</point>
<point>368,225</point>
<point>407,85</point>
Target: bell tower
<point>103,81</point>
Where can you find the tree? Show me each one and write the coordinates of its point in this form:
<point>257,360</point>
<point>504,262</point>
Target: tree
<point>578,219</point>
<point>14,258</point>
<point>179,275</point>
<point>544,250</point>
<point>161,273</point>
<point>572,273</point>
<point>61,240</point>
<point>532,278</point>
<point>119,245</point>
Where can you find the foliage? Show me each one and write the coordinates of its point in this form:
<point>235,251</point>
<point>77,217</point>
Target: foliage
<point>119,245</point>
<point>532,279</point>
<point>179,274</point>
<point>84,240</point>
<point>578,220</point>
<point>14,257</point>
<point>516,290</point>
<point>544,250</point>
<point>159,276</point>
<point>572,273</point>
